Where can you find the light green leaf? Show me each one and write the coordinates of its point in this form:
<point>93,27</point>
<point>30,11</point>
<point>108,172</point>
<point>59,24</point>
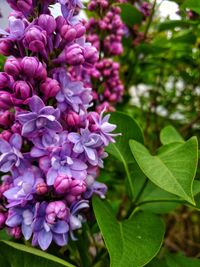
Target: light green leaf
<point>194,5</point>
<point>18,255</point>
<point>132,242</point>
<point>170,135</point>
<point>121,150</point>
<point>172,170</point>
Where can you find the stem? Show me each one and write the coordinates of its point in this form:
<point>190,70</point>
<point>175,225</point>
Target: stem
<point>150,19</point>
<point>162,201</point>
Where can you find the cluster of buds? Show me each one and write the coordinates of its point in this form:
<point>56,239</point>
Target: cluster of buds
<point>51,146</point>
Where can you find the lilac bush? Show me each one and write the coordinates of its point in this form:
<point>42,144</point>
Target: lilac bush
<point>51,146</point>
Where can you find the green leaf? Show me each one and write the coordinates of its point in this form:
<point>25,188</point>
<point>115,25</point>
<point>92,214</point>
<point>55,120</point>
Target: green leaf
<point>170,135</point>
<point>18,255</point>
<point>194,5</point>
<point>172,170</point>
<point>172,24</point>
<point>133,242</point>
<point>179,260</point>
<point>130,15</point>
<point>121,150</point>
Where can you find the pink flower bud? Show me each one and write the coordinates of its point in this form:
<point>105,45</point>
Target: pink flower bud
<point>35,39</point>
<point>60,21</point>
<point>47,23</point>
<point>62,184</point>
<point>3,217</point>
<point>91,54</point>
<point>15,232</point>
<point>16,128</point>
<point>41,189</point>
<point>68,33</point>
<point>72,119</point>
<point>5,48</point>
<point>32,68</point>
<point>22,90</point>
<point>6,118</point>
<point>5,100</point>
<point>74,55</point>
<point>56,209</point>
<point>80,30</point>
<point>77,187</point>
<point>5,80</point>
<point>50,88</point>
<point>12,66</point>
<point>6,136</point>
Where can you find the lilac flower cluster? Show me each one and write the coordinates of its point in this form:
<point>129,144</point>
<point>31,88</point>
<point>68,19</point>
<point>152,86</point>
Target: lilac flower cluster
<point>51,146</point>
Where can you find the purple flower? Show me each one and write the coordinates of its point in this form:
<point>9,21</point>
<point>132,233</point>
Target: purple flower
<point>23,217</point>
<point>87,142</point>
<point>63,162</point>
<point>24,186</point>
<point>72,94</point>
<point>75,220</point>
<point>41,118</point>
<point>10,155</point>
<point>49,224</point>
<point>16,30</point>
<point>104,128</point>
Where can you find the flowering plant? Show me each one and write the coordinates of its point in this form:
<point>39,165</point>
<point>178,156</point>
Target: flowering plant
<point>63,202</point>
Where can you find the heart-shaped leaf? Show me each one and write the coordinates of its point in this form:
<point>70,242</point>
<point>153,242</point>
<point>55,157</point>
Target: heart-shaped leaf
<point>18,255</point>
<point>132,242</point>
<point>170,135</point>
<point>130,15</point>
<point>194,5</point>
<point>173,169</point>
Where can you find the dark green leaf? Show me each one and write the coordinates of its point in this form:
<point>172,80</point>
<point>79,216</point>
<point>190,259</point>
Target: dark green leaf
<point>130,15</point>
<point>22,256</point>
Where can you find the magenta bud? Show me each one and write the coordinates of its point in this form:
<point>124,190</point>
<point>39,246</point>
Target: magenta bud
<point>5,100</point>
<point>22,90</point>
<point>50,88</point>
<point>6,136</point>
<point>32,68</point>
<point>47,23</point>
<point>5,48</point>
<point>15,232</point>
<point>90,54</point>
<point>56,210</point>
<point>35,39</point>
<point>72,119</point>
<point>68,33</point>
<point>41,189</point>
<point>5,80</point>
<point>80,30</point>
<point>60,21</point>
<point>6,118</point>
<point>62,184</point>
<point>3,218</point>
<point>74,55</point>
<point>12,66</point>
<point>16,128</point>
<point>77,187</point>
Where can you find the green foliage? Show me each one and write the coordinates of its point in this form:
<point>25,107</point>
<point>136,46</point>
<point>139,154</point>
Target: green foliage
<point>17,255</point>
<point>131,242</point>
<point>130,15</point>
<point>173,169</point>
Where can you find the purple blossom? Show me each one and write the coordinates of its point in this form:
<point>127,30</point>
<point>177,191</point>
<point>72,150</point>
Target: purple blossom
<point>24,186</point>
<point>86,142</point>
<point>39,119</point>
<point>23,217</point>
<point>10,155</point>
<point>45,231</point>
<point>63,162</point>
<point>72,94</point>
